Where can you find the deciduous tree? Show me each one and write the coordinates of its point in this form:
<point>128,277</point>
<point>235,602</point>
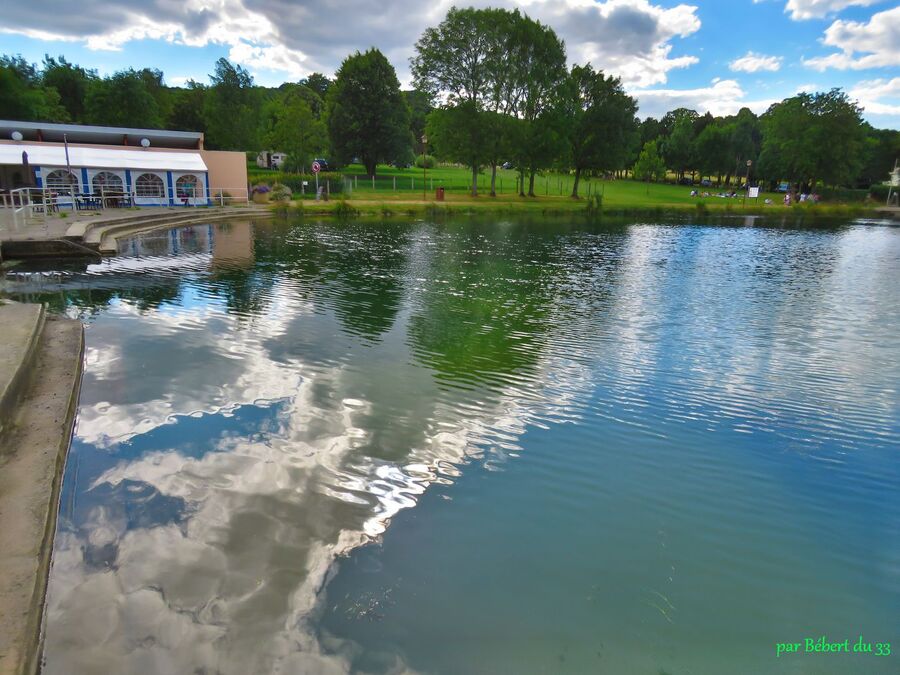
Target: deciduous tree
<point>367,115</point>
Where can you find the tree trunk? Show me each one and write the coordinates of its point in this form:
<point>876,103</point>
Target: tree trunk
<point>531,183</point>
<point>494,179</point>
<point>575,184</point>
<point>475,180</point>
<point>521,182</point>
<point>370,168</point>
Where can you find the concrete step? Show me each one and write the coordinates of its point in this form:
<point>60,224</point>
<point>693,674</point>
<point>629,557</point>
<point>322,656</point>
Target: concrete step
<point>81,229</point>
<point>20,328</point>
<point>104,237</point>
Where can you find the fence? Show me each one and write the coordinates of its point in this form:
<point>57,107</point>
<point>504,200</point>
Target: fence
<point>32,201</point>
<point>547,184</point>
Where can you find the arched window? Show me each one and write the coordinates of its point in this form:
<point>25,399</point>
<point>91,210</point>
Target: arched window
<point>188,187</point>
<point>61,181</point>
<point>107,181</point>
<point>149,185</point>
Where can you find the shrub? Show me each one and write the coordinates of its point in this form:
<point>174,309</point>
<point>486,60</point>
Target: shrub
<point>429,161</point>
<point>344,210</point>
<point>879,192</point>
<point>281,193</point>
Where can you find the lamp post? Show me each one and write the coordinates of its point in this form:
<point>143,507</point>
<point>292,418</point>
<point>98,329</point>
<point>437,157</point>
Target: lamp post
<point>424,171</point>
<point>749,164</point>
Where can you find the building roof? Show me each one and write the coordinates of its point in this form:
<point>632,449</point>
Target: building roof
<point>101,158</point>
<point>82,133</point>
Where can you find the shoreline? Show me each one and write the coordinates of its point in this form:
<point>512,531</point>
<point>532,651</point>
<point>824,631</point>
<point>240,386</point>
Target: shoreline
<point>38,421</point>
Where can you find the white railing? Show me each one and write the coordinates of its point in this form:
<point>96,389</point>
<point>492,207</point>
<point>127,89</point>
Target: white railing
<point>34,201</point>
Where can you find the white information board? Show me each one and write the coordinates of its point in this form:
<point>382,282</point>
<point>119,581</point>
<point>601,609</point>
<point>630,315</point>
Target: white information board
<point>753,193</point>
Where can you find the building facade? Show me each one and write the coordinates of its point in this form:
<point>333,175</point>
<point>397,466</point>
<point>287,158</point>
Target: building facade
<point>151,167</point>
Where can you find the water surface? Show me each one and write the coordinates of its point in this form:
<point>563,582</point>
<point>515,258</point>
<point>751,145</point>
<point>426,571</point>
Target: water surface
<point>532,446</point>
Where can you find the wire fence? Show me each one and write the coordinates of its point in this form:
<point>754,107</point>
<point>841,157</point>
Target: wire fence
<point>548,185</point>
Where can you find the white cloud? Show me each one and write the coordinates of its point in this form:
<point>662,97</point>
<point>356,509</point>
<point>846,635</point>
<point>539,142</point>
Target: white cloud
<point>807,88</point>
<point>873,44</point>
<point>816,9</point>
<point>870,94</point>
<point>752,63</point>
<point>630,38</point>
<point>722,97</point>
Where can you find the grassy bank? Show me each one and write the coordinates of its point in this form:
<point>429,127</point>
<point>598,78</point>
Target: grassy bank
<point>400,191</point>
<point>459,205</point>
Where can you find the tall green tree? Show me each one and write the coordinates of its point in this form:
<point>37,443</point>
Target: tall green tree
<point>813,137</point>
<point>537,75</point>
<point>712,150</point>
<point>462,60</point>
<point>231,109</point>
<point>367,115</point>
<point>678,148</point>
<point>602,124</point>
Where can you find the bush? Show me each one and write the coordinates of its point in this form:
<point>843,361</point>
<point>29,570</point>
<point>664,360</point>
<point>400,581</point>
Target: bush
<point>429,161</point>
<point>844,195</point>
<point>281,193</point>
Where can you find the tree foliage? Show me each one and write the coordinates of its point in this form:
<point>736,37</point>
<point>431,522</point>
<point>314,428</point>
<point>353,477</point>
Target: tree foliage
<point>601,122</point>
<point>811,137</point>
<point>291,127</point>
<point>123,100</point>
<point>650,165</point>
<point>367,115</point>
<point>231,109</point>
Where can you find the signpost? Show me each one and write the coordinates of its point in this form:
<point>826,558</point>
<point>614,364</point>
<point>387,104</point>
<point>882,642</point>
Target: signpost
<point>316,167</point>
<point>752,193</point>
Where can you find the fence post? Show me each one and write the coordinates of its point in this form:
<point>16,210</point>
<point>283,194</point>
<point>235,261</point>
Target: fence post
<point>221,197</point>
<point>395,183</point>
<point>373,182</point>
<point>356,182</point>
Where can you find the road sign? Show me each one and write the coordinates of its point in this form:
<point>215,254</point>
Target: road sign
<point>316,167</point>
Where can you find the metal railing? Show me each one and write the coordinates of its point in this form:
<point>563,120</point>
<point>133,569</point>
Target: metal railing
<point>34,201</point>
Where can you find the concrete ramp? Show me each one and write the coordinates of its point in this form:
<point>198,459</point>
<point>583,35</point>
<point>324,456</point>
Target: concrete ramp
<point>40,377</point>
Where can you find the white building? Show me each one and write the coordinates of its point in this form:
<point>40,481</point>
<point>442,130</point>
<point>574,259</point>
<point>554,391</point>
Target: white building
<point>152,167</point>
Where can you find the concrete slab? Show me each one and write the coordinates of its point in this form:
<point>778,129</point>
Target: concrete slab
<point>32,459</point>
<point>20,330</point>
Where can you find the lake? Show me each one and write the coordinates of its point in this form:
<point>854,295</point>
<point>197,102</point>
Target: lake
<point>483,446</point>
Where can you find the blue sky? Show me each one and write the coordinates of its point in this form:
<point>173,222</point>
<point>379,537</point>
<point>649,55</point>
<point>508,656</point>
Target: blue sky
<point>706,54</point>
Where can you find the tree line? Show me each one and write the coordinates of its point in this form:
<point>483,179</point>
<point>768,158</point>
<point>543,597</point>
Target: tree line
<point>491,87</point>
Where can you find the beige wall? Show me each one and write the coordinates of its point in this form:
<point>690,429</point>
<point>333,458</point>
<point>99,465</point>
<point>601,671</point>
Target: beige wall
<point>227,170</point>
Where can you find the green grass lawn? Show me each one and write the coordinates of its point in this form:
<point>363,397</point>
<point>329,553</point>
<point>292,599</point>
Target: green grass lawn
<point>393,183</point>
<point>399,189</point>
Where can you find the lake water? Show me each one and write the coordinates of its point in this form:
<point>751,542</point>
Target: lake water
<point>483,447</point>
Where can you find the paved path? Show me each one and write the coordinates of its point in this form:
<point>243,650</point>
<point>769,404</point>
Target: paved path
<point>33,448</point>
